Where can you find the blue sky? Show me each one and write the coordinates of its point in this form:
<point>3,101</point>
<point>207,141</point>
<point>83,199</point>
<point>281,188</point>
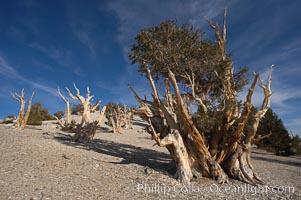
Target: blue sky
<point>50,44</point>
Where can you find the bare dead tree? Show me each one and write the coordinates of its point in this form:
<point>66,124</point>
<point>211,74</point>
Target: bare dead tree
<point>115,118</point>
<point>66,123</point>
<point>86,103</point>
<point>85,131</point>
<point>22,117</point>
<point>85,134</point>
<point>126,117</point>
<point>119,117</point>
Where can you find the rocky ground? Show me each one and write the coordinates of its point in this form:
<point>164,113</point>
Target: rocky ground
<point>42,163</point>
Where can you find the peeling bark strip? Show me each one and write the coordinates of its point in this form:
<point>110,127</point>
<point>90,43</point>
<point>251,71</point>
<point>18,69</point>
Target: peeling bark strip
<point>213,141</point>
<point>22,119</point>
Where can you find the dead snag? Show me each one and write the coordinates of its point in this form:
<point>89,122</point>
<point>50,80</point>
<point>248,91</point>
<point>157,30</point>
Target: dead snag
<point>86,103</point>
<point>126,117</point>
<point>119,116</point>
<point>86,133</point>
<point>66,123</point>
<point>115,121</point>
<point>22,118</point>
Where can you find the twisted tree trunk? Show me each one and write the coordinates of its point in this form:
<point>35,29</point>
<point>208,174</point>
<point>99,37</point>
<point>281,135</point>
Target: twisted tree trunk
<point>66,124</point>
<point>86,133</point>
<point>86,103</point>
<point>220,148</point>
<point>22,119</point>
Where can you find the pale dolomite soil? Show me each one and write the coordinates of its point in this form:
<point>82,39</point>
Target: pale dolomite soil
<point>42,163</point>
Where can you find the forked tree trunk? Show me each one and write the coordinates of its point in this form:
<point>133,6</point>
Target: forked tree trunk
<point>22,119</point>
<point>66,124</point>
<point>191,154</point>
<point>85,131</point>
<point>165,128</point>
<point>119,119</point>
<point>113,123</point>
<point>228,151</point>
<point>126,118</point>
<point>85,134</point>
<point>86,103</point>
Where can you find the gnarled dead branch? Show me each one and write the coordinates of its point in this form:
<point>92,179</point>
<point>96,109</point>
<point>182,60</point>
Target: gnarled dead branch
<point>22,118</point>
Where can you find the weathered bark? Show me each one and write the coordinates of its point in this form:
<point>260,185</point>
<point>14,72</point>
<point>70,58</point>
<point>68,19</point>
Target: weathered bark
<point>86,103</point>
<point>67,121</point>
<point>22,119</point>
<point>237,157</point>
<point>165,138</point>
<point>85,131</point>
<point>171,124</point>
<point>113,123</point>
<point>119,117</point>
<point>85,134</point>
<point>126,118</point>
<point>230,100</point>
<point>195,141</point>
<point>115,118</point>
<point>172,129</point>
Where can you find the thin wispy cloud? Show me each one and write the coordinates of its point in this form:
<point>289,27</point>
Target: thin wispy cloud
<point>82,27</point>
<point>9,71</point>
<point>89,42</point>
<point>134,15</point>
<point>62,57</point>
<point>254,39</point>
<point>83,36</point>
<point>282,93</point>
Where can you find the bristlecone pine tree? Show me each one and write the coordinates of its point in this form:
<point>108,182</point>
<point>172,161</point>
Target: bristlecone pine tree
<point>85,131</point>
<point>119,116</point>
<point>211,141</point>
<point>22,117</point>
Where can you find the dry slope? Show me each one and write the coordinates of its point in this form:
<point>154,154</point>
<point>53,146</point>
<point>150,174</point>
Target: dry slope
<point>42,163</point>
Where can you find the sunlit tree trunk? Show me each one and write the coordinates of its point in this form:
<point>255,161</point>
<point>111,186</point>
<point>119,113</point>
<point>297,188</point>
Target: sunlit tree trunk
<point>85,131</point>
<point>22,119</point>
<point>227,152</point>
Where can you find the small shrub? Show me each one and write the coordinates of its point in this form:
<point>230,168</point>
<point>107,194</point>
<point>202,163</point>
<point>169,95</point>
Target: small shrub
<point>77,109</point>
<point>59,114</point>
<point>35,123</point>
<point>8,121</point>
<point>38,114</point>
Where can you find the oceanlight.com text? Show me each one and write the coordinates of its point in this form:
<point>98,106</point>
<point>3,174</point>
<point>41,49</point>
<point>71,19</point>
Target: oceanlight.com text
<point>164,189</point>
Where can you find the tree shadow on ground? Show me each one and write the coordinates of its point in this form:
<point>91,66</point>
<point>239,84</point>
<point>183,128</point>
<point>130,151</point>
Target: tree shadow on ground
<point>262,156</point>
<point>139,123</point>
<point>158,161</point>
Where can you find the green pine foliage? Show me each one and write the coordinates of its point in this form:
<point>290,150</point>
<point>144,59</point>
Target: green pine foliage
<point>59,114</point>
<point>38,114</point>
<point>281,141</point>
<point>77,109</point>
